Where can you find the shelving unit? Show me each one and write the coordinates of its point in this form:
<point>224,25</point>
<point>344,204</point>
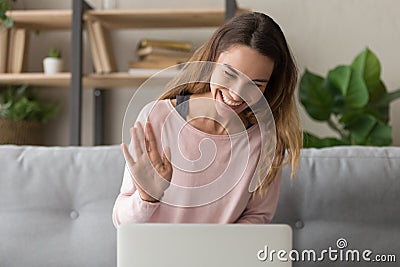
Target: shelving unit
<point>75,21</point>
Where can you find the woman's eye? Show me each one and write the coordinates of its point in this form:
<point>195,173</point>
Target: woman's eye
<point>256,84</point>
<point>230,75</point>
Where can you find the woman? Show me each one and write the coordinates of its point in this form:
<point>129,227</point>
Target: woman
<point>250,46</point>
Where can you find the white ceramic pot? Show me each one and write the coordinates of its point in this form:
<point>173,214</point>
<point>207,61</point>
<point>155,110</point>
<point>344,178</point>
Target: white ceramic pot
<point>52,65</point>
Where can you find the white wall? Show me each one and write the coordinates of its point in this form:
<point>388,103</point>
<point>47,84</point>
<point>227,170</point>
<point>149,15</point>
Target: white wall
<point>321,33</point>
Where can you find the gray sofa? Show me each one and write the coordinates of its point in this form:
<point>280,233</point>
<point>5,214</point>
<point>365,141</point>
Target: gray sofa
<point>56,203</point>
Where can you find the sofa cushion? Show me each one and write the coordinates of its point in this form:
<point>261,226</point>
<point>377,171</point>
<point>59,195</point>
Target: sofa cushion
<point>344,192</point>
<point>56,205</point>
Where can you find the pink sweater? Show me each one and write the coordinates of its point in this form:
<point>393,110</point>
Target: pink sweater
<point>210,201</point>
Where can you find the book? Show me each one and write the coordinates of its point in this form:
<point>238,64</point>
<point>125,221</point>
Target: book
<point>18,44</point>
<point>145,52</point>
<point>103,46</point>
<point>155,63</point>
<point>150,72</point>
<point>3,49</point>
<point>157,55</point>
<point>94,48</point>
<point>176,45</point>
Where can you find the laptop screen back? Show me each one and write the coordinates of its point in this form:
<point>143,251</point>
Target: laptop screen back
<point>205,245</point>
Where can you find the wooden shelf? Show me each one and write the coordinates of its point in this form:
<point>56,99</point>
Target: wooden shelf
<point>106,81</point>
<point>121,18</point>
<point>42,19</point>
<point>36,79</point>
<point>159,18</point>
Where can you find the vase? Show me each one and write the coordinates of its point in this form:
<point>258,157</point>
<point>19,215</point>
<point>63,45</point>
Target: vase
<point>52,65</point>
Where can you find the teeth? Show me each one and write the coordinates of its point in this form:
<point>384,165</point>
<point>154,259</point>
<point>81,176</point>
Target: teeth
<point>230,102</point>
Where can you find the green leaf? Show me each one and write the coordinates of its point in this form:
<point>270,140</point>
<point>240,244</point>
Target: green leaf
<point>378,92</point>
<point>369,66</point>
<point>340,77</point>
<point>316,99</point>
<point>357,92</point>
<point>338,105</point>
<point>381,113</point>
<point>351,85</point>
<point>381,135</point>
<point>389,97</point>
<point>4,109</point>
<point>7,23</point>
<point>360,127</point>
<point>349,116</point>
<point>310,140</point>
<point>21,91</point>
<point>55,53</point>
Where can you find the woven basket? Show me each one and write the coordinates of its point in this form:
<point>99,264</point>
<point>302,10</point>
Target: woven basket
<point>21,132</point>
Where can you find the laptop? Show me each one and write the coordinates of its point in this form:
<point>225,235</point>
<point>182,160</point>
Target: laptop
<point>204,245</point>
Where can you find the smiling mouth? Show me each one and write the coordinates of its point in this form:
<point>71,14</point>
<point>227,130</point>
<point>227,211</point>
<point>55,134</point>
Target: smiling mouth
<point>229,102</point>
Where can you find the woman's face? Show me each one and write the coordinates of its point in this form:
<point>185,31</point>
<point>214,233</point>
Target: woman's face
<point>228,84</point>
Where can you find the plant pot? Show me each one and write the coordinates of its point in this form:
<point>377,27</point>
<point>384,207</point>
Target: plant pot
<point>21,132</point>
<point>52,65</point>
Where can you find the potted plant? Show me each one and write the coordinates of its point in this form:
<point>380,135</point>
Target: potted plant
<point>22,116</point>
<point>53,63</point>
<point>352,100</point>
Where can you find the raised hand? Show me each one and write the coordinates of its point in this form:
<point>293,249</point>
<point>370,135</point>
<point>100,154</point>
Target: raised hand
<point>150,173</point>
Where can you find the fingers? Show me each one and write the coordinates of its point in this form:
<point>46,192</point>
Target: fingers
<point>136,142</point>
<point>167,164</point>
<point>141,136</point>
<point>127,155</point>
<point>137,136</point>
<point>152,146</point>
<point>166,157</point>
<point>146,141</point>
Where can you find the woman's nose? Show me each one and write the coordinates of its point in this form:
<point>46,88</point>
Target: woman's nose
<point>245,91</point>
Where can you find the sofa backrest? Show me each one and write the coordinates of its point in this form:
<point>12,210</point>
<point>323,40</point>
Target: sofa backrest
<point>351,193</point>
<point>56,205</point>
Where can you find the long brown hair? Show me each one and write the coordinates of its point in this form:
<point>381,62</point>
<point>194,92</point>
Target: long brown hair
<point>263,34</point>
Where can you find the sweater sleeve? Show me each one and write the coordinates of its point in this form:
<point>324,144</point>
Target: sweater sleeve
<point>129,206</point>
<point>261,207</point>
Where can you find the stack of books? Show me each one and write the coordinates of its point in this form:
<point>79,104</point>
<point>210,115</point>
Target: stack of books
<point>13,50</point>
<point>160,54</point>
